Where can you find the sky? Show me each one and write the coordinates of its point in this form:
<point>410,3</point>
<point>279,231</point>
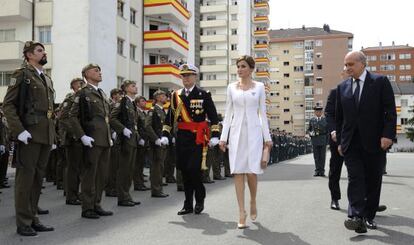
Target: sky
<point>370,21</point>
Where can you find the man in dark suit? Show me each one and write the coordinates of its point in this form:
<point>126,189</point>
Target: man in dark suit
<point>317,131</point>
<point>365,126</point>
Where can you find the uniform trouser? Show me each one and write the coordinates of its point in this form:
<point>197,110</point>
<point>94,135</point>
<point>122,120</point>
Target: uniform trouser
<point>125,171</point>
<point>364,180</point>
<point>275,154</point>
<point>212,161</point>
<point>138,176</point>
<point>170,159</point>
<point>60,165</point>
<point>94,172</point>
<point>74,158</point>
<point>193,187</point>
<point>28,182</point>
<point>335,167</point>
<point>226,162</point>
<point>4,161</point>
<point>113,168</point>
<point>50,173</point>
<point>319,155</point>
<point>157,154</point>
<point>179,179</point>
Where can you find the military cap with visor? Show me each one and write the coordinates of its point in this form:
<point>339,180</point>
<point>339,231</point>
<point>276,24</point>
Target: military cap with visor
<point>188,69</point>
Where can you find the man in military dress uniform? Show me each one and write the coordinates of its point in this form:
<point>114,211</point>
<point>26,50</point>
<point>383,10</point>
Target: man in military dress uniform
<point>124,120</point>
<point>73,148</point>
<point>318,133</point>
<point>89,117</point>
<point>190,107</point>
<point>28,107</point>
<point>153,126</point>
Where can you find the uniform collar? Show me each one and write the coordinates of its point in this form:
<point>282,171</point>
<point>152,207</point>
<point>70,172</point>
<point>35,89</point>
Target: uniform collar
<point>93,86</point>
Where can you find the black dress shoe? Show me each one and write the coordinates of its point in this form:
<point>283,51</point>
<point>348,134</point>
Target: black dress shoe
<point>59,186</point>
<point>315,174</point>
<point>371,224</point>
<point>335,205</point>
<point>141,188</point>
<point>136,203</point>
<point>102,212</point>
<point>228,175</point>
<point>159,195</point>
<point>208,181</point>
<point>73,202</point>
<point>126,203</point>
<point>4,185</point>
<point>171,180</point>
<point>164,184</point>
<point>90,214</point>
<point>381,208</point>
<point>185,211</point>
<point>42,211</point>
<point>26,231</point>
<point>111,193</point>
<point>180,188</point>
<point>356,224</point>
<point>199,207</point>
<point>39,227</point>
<point>219,177</point>
<point>322,175</point>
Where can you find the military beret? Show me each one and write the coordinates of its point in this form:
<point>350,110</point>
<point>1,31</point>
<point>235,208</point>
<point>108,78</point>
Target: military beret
<point>158,92</point>
<point>115,91</point>
<point>88,67</point>
<point>188,69</point>
<point>76,79</point>
<point>126,83</point>
<point>30,46</point>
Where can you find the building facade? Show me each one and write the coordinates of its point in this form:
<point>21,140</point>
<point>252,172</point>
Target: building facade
<point>305,65</point>
<point>395,61</point>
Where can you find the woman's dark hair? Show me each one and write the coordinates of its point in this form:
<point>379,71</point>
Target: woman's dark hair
<point>249,60</point>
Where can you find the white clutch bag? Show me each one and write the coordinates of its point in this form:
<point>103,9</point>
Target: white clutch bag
<point>265,157</point>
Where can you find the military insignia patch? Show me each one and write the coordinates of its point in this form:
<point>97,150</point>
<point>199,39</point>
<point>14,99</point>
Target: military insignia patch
<point>117,104</point>
<point>87,99</point>
<point>65,104</point>
<point>76,99</point>
<point>150,113</point>
<point>13,81</point>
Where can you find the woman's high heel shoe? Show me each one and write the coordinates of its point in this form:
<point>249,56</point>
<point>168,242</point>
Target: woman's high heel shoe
<point>242,221</point>
<point>253,211</point>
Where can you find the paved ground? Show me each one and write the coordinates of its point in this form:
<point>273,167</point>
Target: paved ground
<point>293,208</point>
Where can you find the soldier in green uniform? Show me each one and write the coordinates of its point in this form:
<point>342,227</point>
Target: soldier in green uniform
<point>143,146</point>
<point>124,120</point>
<point>89,116</point>
<point>28,107</point>
<point>153,126</point>
<point>73,148</point>
<point>318,132</point>
<point>110,188</point>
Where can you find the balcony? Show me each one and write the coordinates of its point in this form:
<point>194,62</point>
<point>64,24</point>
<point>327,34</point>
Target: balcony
<point>213,83</point>
<point>167,9</point>
<point>261,33</point>
<point>213,23</point>
<point>11,51</point>
<point>264,60</point>
<point>261,48</point>
<point>262,74</point>
<point>213,9</point>
<point>213,38</point>
<point>162,75</point>
<point>213,68</point>
<point>263,7</point>
<point>213,53</point>
<point>165,39</point>
<point>15,10</point>
<point>261,20</point>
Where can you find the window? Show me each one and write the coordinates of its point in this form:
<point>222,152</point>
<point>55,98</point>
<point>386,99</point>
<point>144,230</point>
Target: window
<point>184,35</point>
<point>405,67</point>
<point>308,68</point>
<point>318,91</point>
<point>319,79</point>
<point>286,98</point>
<point>286,75</point>
<point>233,2</point>
<point>120,46</point>
<point>298,45</point>
<point>318,43</point>
<point>404,121</point>
<point>405,78</point>
<point>211,17</point>
<point>390,56</point>
<point>233,31</point>
<point>371,58</point>
<point>286,63</point>
<point>308,91</point>
<point>210,62</point>
<point>391,78</point>
<point>319,67</point>
<point>234,47</point>
<point>371,68</point>
<point>299,81</point>
<point>298,68</point>
<point>7,35</point>
<point>274,58</point>
<point>286,110</point>
<point>298,92</point>
<point>211,77</point>
<point>132,52</point>
<point>318,55</point>
<point>405,56</point>
<point>234,17</point>
<point>286,122</point>
<point>233,61</point>
<point>121,5</point>
<point>132,16</point>
<point>404,103</point>
<point>5,77</point>
<point>210,32</point>
<point>387,67</point>
<point>45,34</point>
<point>286,51</point>
<point>211,47</point>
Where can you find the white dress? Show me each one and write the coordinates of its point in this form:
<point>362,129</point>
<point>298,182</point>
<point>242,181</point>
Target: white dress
<point>245,127</point>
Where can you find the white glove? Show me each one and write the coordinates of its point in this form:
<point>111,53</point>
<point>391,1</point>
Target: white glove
<point>141,142</point>
<point>158,142</point>
<point>173,140</point>
<point>164,140</point>
<point>54,147</point>
<point>213,141</point>
<point>24,137</point>
<point>87,141</point>
<point>2,149</point>
<point>127,133</point>
<point>114,135</point>
<point>111,142</point>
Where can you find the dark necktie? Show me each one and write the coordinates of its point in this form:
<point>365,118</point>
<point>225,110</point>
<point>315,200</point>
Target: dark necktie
<point>187,92</point>
<point>356,92</point>
<point>100,91</point>
<point>42,76</point>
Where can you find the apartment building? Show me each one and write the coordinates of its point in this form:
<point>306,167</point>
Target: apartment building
<point>305,64</point>
<point>229,29</point>
<point>139,40</point>
<point>395,61</point>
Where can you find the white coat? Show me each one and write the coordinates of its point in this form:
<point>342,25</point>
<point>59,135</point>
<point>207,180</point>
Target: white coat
<point>246,105</point>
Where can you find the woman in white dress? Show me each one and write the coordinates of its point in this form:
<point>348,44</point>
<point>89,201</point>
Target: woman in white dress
<point>246,130</point>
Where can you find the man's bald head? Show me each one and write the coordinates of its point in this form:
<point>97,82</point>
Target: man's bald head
<point>355,63</point>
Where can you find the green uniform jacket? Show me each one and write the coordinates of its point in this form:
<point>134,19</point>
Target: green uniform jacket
<point>39,123</point>
<point>130,120</point>
<point>66,129</point>
<point>95,121</point>
<point>154,123</point>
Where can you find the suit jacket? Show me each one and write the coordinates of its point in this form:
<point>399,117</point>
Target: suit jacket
<point>375,117</point>
<point>330,111</point>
